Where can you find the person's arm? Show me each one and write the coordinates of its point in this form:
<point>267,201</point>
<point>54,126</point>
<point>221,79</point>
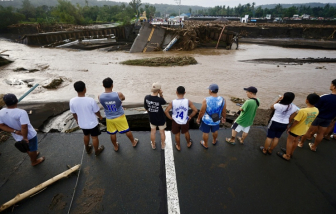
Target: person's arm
<point>75,116</point>
<point>121,96</point>
<point>293,125</point>
<point>194,110</point>
<point>272,106</point>
<point>170,106</point>
<point>24,132</point>
<point>6,128</point>
<point>98,115</point>
<point>296,118</point>
<point>224,112</point>
<point>202,112</point>
<point>145,104</point>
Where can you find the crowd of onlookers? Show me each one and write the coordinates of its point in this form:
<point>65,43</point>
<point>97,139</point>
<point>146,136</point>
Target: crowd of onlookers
<point>316,119</point>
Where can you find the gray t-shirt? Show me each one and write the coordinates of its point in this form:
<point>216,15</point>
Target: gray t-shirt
<point>112,105</point>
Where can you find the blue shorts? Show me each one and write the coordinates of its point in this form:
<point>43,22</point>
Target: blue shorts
<point>207,128</point>
<point>321,122</point>
<point>33,144</point>
<point>276,129</point>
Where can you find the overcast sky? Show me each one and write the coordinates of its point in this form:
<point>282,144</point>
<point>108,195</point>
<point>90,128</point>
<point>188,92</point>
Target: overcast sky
<point>212,3</point>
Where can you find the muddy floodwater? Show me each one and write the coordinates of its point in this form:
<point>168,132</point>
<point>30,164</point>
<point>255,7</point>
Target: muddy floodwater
<point>214,66</point>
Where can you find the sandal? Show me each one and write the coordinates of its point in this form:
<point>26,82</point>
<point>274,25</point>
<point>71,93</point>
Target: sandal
<point>136,142</point>
<point>310,146</point>
<point>38,161</point>
<point>228,140</point>
<point>240,141</point>
<point>281,154</point>
<point>202,143</point>
<point>285,150</point>
<point>153,145</point>
<point>268,152</point>
<point>262,149</point>
<point>215,143</point>
<point>191,143</point>
<point>88,149</point>
<point>118,147</point>
<point>176,146</point>
<point>163,146</point>
<point>100,150</point>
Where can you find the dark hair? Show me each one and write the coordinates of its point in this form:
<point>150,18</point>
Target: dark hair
<point>180,90</point>
<point>313,98</point>
<point>79,86</point>
<point>287,99</point>
<point>107,82</point>
<point>214,91</point>
<point>334,82</point>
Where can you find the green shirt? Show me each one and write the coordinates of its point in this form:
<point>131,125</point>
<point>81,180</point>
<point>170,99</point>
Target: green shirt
<point>246,117</point>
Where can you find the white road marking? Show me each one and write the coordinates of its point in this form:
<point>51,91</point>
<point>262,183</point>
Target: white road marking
<point>171,183</point>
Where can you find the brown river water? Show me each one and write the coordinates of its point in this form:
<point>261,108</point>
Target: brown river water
<point>214,66</point>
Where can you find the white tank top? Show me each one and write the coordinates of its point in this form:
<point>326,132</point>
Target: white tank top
<point>180,111</point>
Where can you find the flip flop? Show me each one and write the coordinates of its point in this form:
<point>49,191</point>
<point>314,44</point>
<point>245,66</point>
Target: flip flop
<point>191,141</point>
<point>268,152</point>
<point>262,150</point>
<point>228,141</point>
<point>118,147</point>
<point>284,151</point>
<point>281,154</point>
<point>153,145</point>
<point>37,154</point>
<point>137,141</point>
<point>215,143</point>
<point>39,160</point>
<point>164,146</point>
<point>89,149</point>
<point>241,143</point>
<point>202,143</point>
<point>310,146</point>
<point>100,150</point>
<point>177,148</point>
<point>300,145</point>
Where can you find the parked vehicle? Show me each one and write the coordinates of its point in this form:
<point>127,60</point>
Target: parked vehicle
<point>277,20</point>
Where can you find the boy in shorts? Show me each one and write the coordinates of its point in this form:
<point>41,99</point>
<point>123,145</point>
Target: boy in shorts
<point>16,121</point>
<point>115,116</point>
<point>153,104</point>
<point>180,118</point>
<point>85,110</point>
<point>300,126</point>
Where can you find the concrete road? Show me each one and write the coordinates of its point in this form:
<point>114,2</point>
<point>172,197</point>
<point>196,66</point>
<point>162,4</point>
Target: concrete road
<point>223,178</point>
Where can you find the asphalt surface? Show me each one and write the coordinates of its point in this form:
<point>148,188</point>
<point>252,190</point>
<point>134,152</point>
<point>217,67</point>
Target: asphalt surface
<point>224,178</point>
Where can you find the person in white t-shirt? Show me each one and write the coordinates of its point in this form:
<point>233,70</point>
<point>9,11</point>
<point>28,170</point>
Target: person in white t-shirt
<point>284,111</point>
<point>85,110</point>
<point>16,121</point>
<point>180,118</point>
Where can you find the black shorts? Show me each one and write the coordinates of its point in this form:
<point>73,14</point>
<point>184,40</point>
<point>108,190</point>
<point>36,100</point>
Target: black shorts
<point>294,135</point>
<point>93,132</point>
<point>321,122</point>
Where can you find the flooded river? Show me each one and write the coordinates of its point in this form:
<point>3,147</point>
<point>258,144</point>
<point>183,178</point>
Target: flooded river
<point>214,66</point>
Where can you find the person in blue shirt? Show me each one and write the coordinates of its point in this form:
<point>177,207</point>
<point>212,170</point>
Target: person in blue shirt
<point>211,105</point>
<point>327,112</point>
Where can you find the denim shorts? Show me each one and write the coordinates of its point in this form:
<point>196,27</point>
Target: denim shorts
<point>33,144</point>
<point>321,122</point>
<point>207,128</point>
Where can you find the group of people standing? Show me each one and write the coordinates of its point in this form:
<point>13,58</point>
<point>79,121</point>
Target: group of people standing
<point>317,118</point>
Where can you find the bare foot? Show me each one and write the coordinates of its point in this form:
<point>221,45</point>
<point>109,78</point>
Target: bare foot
<point>153,145</point>
<point>177,147</point>
<point>38,161</point>
<point>163,145</point>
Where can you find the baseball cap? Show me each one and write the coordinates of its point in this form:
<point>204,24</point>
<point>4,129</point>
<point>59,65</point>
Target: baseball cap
<point>213,87</point>
<point>10,99</point>
<point>251,89</point>
<point>156,86</point>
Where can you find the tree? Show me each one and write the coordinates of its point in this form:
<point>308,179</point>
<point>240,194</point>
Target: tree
<point>135,4</point>
<point>68,13</point>
<point>9,17</point>
<point>27,9</point>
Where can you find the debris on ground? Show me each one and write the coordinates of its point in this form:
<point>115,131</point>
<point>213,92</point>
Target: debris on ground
<point>291,61</point>
<point>162,61</point>
<point>4,61</point>
<point>14,82</point>
<point>25,69</point>
<point>72,130</point>
<point>4,136</point>
<point>237,100</point>
<point>2,103</point>
<point>54,84</point>
<point>322,67</point>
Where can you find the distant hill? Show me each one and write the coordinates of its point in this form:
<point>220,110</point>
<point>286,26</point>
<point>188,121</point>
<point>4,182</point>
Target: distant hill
<point>312,4</point>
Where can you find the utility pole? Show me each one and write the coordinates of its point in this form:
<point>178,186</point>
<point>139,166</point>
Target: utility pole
<point>179,4</point>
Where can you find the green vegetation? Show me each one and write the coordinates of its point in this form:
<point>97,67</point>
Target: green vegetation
<point>162,61</point>
<point>66,12</point>
<point>251,9</point>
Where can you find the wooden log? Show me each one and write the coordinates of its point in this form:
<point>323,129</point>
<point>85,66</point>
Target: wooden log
<point>220,37</point>
<point>38,188</point>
